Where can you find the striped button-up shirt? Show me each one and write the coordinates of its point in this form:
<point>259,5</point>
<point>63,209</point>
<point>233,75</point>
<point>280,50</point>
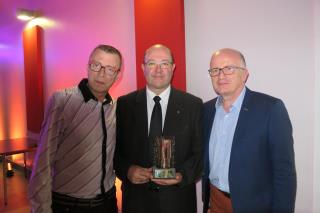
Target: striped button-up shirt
<point>69,155</point>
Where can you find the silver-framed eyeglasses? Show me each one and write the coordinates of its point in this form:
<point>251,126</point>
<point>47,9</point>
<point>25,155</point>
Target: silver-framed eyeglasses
<point>227,70</point>
<point>97,67</point>
<point>163,65</point>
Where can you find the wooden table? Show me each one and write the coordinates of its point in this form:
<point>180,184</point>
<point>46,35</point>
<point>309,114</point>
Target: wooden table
<point>12,147</point>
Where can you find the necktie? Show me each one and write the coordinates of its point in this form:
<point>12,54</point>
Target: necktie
<point>156,119</point>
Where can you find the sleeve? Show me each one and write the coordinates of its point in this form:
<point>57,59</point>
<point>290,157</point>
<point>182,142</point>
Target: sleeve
<point>282,156</point>
<point>40,188</point>
<point>191,170</point>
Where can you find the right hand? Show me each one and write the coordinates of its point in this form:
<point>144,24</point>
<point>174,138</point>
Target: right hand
<point>138,175</point>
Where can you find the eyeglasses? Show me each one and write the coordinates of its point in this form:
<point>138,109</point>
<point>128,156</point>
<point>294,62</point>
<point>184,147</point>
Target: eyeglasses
<point>163,65</point>
<point>97,67</point>
<point>227,70</point>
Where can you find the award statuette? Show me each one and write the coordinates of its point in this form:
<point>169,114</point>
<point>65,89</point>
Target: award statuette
<point>163,157</point>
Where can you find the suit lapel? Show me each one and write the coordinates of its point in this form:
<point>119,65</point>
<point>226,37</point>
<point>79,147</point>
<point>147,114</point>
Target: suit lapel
<point>209,118</point>
<point>141,125</point>
<point>174,114</point>
<point>243,117</point>
<point>141,113</point>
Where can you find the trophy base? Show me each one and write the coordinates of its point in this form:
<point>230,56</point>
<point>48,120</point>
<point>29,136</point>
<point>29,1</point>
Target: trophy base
<point>164,173</point>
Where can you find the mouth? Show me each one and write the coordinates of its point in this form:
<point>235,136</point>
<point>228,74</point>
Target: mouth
<point>100,82</point>
<point>157,76</point>
<point>223,82</point>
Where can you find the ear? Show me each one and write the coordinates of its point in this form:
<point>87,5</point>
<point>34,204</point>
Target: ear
<point>143,68</point>
<point>173,67</point>
<point>117,76</point>
<point>245,76</point>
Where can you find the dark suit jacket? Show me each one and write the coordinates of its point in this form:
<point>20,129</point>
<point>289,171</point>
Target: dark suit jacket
<point>183,120</point>
<point>262,176</point>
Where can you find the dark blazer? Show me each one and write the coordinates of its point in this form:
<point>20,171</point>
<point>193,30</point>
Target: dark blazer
<point>262,176</point>
<point>183,120</point>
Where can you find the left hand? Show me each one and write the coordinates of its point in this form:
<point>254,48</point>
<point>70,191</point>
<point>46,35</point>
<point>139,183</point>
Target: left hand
<point>168,182</point>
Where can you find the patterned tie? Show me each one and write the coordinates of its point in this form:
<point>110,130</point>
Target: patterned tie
<point>156,119</point>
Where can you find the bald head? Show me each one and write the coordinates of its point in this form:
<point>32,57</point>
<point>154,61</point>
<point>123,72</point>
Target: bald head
<point>231,52</point>
<point>158,47</point>
<point>232,74</point>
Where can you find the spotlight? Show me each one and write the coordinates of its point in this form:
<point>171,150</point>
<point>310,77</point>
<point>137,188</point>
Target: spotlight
<point>26,15</point>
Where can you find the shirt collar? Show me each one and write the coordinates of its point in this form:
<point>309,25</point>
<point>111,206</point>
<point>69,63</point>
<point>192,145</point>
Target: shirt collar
<point>163,95</point>
<point>87,94</point>
<point>238,102</point>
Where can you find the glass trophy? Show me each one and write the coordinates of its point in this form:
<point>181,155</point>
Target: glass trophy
<point>163,157</point>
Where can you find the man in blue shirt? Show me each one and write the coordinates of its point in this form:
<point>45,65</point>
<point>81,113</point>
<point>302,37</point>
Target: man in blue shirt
<point>249,156</point>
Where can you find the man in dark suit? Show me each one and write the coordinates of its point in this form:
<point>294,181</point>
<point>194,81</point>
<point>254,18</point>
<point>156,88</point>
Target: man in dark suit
<point>180,117</point>
<point>249,158</point>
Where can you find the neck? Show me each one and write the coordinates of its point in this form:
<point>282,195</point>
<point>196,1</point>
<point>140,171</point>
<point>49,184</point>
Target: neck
<point>99,95</point>
<point>156,90</point>
<point>226,104</point>
<point>228,100</point>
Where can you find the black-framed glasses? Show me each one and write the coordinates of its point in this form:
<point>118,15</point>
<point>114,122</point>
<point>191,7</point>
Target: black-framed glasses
<point>95,66</point>
<point>163,65</point>
<point>227,70</point>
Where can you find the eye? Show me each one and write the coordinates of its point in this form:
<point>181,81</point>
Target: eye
<point>165,64</point>
<point>110,69</point>
<point>151,64</point>
<point>215,70</point>
<point>228,68</point>
<point>95,66</point>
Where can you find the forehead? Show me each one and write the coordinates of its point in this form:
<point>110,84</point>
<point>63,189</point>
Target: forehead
<point>225,58</point>
<point>159,53</point>
<point>104,57</point>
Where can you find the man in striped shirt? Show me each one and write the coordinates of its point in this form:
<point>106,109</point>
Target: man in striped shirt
<point>73,169</point>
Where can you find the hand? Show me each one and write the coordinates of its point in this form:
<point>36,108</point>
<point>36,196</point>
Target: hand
<point>168,182</point>
<point>138,175</point>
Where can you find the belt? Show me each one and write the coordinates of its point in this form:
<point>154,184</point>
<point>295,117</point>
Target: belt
<point>67,200</point>
<point>226,194</point>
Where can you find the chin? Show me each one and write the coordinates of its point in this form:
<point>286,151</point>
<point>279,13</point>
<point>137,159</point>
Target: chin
<point>101,89</point>
<point>223,92</point>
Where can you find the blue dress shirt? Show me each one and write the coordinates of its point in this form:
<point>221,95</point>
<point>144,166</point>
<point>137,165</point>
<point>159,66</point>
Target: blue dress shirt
<point>220,143</point>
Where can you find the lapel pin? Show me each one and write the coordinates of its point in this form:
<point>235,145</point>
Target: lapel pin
<point>245,109</point>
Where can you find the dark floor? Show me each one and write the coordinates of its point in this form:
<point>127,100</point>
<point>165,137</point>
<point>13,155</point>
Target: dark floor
<point>17,193</point>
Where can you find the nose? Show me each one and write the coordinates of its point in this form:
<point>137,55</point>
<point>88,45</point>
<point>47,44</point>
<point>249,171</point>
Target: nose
<point>221,74</point>
<point>102,72</point>
<point>158,67</point>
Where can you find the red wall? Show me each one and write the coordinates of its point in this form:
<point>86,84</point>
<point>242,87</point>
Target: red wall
<point>33,67</point>
<point>161,21</point>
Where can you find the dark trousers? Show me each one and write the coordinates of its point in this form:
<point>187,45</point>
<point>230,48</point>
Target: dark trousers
<point>66,204</point>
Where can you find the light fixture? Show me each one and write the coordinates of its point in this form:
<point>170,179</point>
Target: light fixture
<point>26,15</point>
<point>9,170</point>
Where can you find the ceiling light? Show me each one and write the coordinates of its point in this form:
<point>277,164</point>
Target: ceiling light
<point>26,15</point>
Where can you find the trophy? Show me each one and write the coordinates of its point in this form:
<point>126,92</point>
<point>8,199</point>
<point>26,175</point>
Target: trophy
<point>163,157</point>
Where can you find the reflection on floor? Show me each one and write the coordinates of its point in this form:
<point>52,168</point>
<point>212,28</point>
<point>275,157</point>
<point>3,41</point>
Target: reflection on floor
<point>17,193</point>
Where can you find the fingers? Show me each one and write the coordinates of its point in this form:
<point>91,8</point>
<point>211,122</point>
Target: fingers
<point>139,175</point>
<point>168,181</point>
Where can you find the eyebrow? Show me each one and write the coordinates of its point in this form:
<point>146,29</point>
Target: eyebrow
<point>115,67</point>
<point>164,60</point>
